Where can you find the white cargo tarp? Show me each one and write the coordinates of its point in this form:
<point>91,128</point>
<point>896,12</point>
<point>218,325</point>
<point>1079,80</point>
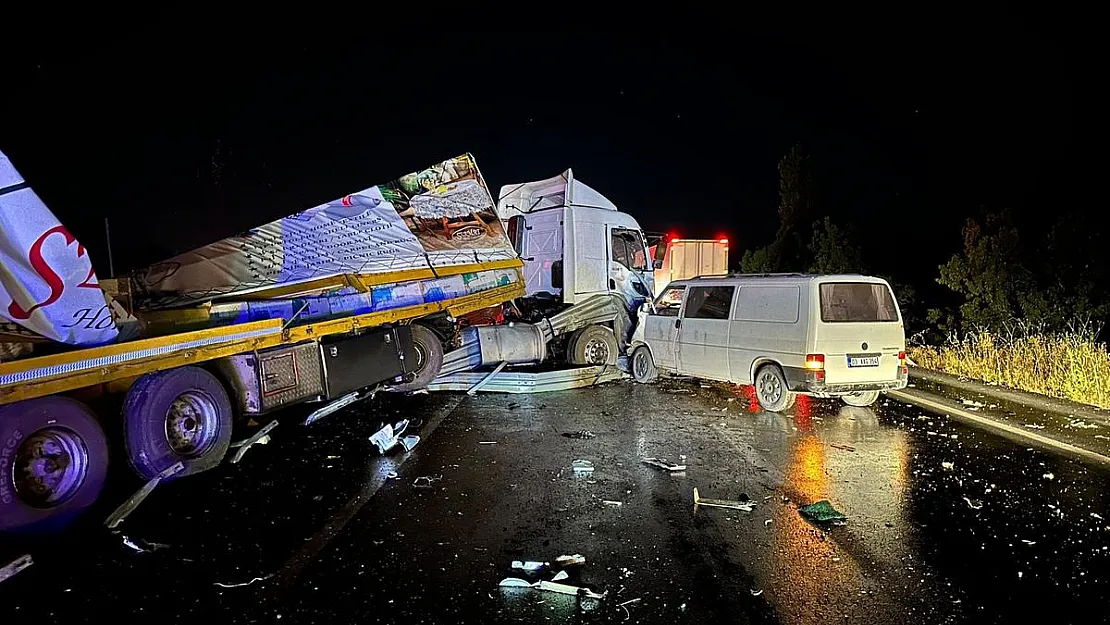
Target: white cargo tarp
<point>47,283</point>
<point>438,217</point>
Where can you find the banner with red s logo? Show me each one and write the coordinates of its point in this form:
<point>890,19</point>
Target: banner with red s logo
<point>47,283</point>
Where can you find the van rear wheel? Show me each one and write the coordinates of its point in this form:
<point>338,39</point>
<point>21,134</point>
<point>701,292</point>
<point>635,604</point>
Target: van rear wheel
<point>861,399</point>
<point>643,366</point>
<point>771,389</point>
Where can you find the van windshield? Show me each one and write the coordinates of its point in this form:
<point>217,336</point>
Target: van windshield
<point>857,302</point>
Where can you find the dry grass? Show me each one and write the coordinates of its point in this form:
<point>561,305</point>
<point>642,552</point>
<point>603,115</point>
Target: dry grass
<point>1070,365</point>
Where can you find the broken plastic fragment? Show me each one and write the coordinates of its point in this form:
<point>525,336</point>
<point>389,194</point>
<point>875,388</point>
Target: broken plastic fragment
<point>426,481</point>
<point>15,566</point>
<point>560,576</point>
<point>141,546</point>
<point>563,589</point>
<point>664,464</point>
<point>582,467</point>
<point>580,434</point>
<point>947,466</point>
<point>1049,476</point>
<point>974,504</point>
<point>576,559</point>
<point>822,512</point>
<point>527,565</point>
<point>610,502</point>
<point>756,593</point>
<point>746,506</point>
<point>408,442</point>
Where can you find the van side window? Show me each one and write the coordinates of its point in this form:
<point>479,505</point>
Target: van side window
<point>768,304</point>
<point>669,301</point>
<point>709,302</point>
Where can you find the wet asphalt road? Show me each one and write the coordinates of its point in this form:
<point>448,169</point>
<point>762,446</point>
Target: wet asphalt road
<point>1006,534</point>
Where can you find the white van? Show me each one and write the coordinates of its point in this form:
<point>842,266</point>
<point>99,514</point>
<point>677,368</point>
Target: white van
<point>825,336</point>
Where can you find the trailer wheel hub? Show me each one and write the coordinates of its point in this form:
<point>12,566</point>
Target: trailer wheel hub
<point>50,466</point>
<point>192,424</point>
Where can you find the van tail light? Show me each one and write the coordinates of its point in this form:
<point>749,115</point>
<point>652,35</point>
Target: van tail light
<point>901,359</point>
<point>815,361</point>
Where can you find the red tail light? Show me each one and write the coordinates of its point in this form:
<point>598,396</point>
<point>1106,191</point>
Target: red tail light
<point>815,361</point>
<point>902,359</point>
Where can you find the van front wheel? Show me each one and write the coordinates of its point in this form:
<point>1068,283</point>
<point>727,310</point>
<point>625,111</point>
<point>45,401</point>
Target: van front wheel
<point>861,399</point>
<point>771,390</point>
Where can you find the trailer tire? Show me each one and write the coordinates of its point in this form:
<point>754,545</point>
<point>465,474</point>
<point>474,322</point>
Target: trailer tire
<point>180,415</point>
<point>592,345</point>
<point>429,359</point>
<point>643,365</point>
<point>59,436</point>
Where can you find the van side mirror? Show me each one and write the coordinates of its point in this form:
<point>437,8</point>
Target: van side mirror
<point>660,253</point>
<point>657,263</point>
<point>647,308</point>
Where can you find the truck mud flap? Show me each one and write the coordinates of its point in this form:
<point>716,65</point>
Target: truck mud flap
<point>527,381</point>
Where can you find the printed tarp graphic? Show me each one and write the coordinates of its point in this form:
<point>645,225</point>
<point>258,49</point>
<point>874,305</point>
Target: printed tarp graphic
<point>438,217</point>
<point>47,284</point>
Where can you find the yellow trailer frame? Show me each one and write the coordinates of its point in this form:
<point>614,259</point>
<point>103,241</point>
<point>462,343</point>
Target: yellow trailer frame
<point>69,371</point>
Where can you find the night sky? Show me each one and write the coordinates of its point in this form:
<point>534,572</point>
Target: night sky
<point>912,126</point>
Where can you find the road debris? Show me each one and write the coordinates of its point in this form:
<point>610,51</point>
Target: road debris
<point>948,466</point>
<point>1095,515</point>
<point>756,593</point>
<point>582,467</point>
<point>390,436</point>
<point>336,406</point>
<point>528,565</point>
<point>253,580</point>
<point>564,589</point>
<point>1049,476</point>
<point>126,508</point>
<point>662,463</point>
<point>823,512</point>
<point>15,566</point>
<point>746,505</point>
<point>487,442</point>
<point>426,481</point>
<point>624,606</point>
<point>575,560</point>
<point>141,546</point>
<point>844,447</point>
<point>1029,542</point>
<point>257,438</point>
<point>1033,426</point>
<point>610,502</point>
<point>580,435</point>
<point>974,504</point>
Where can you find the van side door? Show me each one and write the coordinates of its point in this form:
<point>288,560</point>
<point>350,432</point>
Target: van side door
<point>661,327</point>
<point>703,331</point>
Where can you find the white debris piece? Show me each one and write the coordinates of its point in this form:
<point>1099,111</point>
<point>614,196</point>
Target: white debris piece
<point>947,466</point>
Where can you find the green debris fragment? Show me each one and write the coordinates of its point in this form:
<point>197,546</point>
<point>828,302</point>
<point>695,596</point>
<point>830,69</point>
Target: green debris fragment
<point>823,512</point>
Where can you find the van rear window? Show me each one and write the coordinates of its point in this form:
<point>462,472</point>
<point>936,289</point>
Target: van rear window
<point>857,302</point>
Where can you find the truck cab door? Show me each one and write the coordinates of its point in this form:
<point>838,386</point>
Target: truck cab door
<point>538,238</point>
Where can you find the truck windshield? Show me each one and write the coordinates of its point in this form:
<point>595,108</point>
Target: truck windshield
<point>857,302</point>
<point>629,250</point>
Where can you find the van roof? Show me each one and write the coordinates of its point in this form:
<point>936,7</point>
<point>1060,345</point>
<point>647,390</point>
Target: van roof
<point>781,277</point>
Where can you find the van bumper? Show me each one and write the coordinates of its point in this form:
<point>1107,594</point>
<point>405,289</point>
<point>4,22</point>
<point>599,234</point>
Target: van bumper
<point>801,380</point>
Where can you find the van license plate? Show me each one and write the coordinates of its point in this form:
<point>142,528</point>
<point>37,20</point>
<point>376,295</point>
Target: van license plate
<point>863,361</point>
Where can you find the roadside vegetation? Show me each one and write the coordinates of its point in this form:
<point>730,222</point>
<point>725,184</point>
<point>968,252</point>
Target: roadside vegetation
<point>1070,364</point>
<point>1011,293</point>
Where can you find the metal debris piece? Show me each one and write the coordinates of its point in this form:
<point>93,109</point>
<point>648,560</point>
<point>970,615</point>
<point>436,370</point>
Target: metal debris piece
<point>823,512</point>
<point>133,501</point>
<point>948,466</point>
<point>610,502</point>
<point>580,434</point>
<point>392,475</point>
<point>253,580</point>
<point>142,546</point>
<point>1029,542</point>
<point>564,589</point>
<point>487,442</point>
<point>15,566</point>
<point>560,576</point>
<point>388,437</point>
<point>756,593</point>
<point>575,560</point>
<point>582,467</point>
<point>767,522</point>
<point>1095,515</point>
<point>473,390</point>
<point>527,565</point>
<point>410,441</point>
<point>419,391</point>
<point>664,464</point>
<point>255,439</point>
<point>844,447</point>
<point>746,506</point>
<point>974,504</point>
<point>336,406</point>
<point>426,481</point>
<point>1049,476</point>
